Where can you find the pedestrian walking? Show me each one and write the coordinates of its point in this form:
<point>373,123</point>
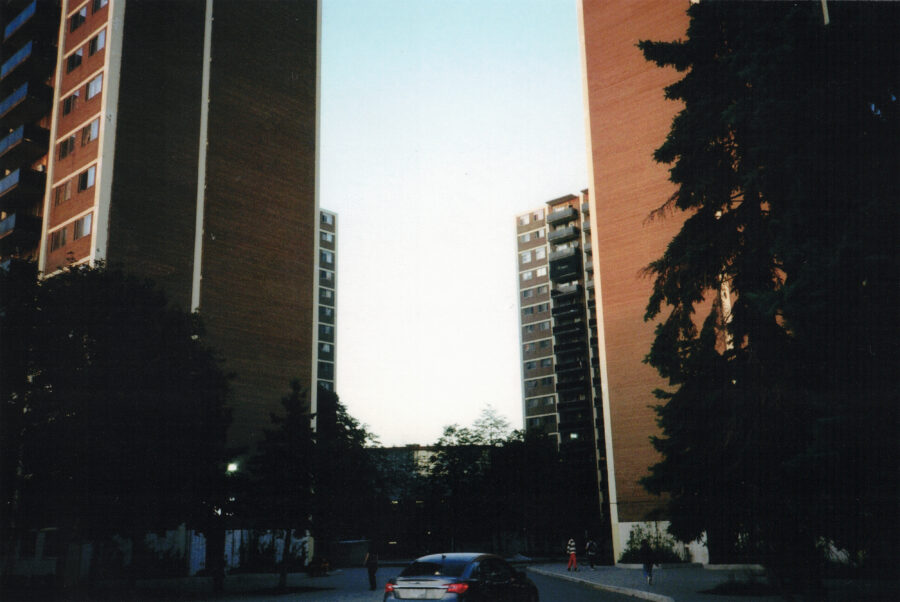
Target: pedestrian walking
<point>570,550</point>
<point>371,563</point>
<point>647,560</point>
<point>591,550</point>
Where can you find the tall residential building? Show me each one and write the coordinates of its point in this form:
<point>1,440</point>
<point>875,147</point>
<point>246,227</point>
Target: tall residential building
<point>558,338</point>
<point>627,118</point>
<point>27,69</point>
<point>327,336</point>
<point>183,139</point>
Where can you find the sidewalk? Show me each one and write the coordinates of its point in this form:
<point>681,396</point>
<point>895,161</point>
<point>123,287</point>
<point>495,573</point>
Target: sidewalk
<point>671,583</point>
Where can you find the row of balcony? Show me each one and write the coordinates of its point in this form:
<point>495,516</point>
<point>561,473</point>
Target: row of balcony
<point>23,146</point>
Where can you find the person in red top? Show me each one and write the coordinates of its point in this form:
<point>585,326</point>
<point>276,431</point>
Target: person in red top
<point>570,550</point>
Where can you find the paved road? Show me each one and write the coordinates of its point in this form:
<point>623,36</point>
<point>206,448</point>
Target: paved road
<point>351,585</point>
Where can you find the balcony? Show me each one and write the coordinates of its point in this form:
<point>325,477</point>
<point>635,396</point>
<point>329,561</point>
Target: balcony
<point>32,62</point>
<point>564,290</point>
<point>29,102</point>
<point>563,253</point>
<point>23,146</point>
<point>561,216</point>
<point>22,188</point>
<point>563,234</point>
<point>586,226</point>
<point>19,232</point>
<point>36,19</point>
<point>567,310</point>
<point>585,208</point>
<point>566,269</point>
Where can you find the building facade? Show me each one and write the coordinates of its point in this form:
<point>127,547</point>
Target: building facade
<point>183,147</point>
<point>30,32</point>
<point>558,338</point>
<point>327,299</point>
<point>627,118</point>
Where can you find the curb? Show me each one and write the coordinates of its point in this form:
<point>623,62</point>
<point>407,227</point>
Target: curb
<point>625,591</point>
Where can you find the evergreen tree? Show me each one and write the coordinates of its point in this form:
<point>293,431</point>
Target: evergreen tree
<point>280,474</point>
<point>779,428</point>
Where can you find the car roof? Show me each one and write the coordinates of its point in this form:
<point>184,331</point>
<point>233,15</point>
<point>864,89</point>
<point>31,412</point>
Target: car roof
<point>458,556</point>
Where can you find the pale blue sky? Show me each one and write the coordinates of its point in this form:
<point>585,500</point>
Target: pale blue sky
<point>440,121</point>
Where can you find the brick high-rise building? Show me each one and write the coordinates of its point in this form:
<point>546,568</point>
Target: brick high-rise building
<point>627,119</point>
<point>29,35</point>
<point>558,340</point>
<point>183,139</point>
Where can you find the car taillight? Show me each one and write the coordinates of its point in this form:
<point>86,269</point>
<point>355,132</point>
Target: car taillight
<point>457,588</point>
<point>388,588</point>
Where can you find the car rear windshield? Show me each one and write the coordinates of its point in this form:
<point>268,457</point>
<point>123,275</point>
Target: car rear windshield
<point>447,568</point>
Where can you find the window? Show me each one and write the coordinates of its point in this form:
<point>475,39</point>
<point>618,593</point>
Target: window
<point>539,234</point>
<point>542,289</point>
<point>66,147</point>
<point>538,215</point>
<point>82,227</point>
<point>78,19</point>
<point>530,365</point>
<point>58,239</point>
<point>90,132</point>
<point>86,178</point>
<point>525,257</point>
<point>523,220</point>
<point>525,237</point>
<point>526,294</point>
<point>326,293</point>
<point>95,86</point>
<point>541,272</point>
<point>544,344</point>
<point>74,60</point>
<point>527,311</point>
<point>98,4</point>
<point>544,326</point>
<point>63,193</point>
<point>70,102</point>
<point>326,257</point>
<point>325,276</point>
<point>326,236</point>
<point>540,253</point>
<point>528,347</point>
<point>97,43</point>
<point>327,218</point>
<point>527,275</point>
<point>546,362</point>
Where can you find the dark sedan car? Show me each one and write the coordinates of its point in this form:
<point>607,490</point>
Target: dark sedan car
<point>470,577</point>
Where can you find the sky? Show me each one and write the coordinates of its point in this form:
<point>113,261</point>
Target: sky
<point>441,120</point>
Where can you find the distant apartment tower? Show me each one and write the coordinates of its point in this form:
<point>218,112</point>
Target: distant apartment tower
<point>30,30</point>
<point>558,335</point>
<point>183,147</point>
<point>327,335</point>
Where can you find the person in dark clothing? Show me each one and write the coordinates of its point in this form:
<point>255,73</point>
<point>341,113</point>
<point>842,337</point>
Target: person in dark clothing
<point>591,549</point>
<point>647,560</point>
<point>371,563</point>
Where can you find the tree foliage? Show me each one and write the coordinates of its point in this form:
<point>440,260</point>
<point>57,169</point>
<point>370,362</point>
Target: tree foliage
<point>779,427</point>
<point>348,493</point>
<point>113,409</point>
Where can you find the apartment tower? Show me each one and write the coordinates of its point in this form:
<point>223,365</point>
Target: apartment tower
<point>558,342</point>
<point>627,118</point>
<point>327,296</point>
<point>27,70</point>
<point>183,138</point>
